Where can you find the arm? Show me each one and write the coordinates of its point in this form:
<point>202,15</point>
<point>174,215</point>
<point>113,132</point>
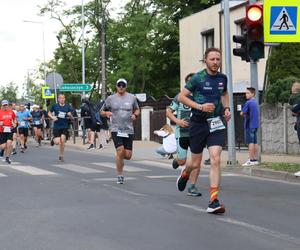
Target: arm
<point>51,116</point>
<point>225,103</point>
<point>172,117</point>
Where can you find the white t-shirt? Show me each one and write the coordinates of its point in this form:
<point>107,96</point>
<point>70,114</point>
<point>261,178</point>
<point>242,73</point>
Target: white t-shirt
<point>169,141</point>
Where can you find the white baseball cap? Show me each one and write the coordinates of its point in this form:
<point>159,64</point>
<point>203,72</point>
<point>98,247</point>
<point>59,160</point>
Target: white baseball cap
<point>122,80</point>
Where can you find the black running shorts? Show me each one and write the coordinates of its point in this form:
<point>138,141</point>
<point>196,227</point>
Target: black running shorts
<point>200,137</point>
<point>23,131</point>
<point>61,131</point>
<point>122,141</point>
<point>4,137</point>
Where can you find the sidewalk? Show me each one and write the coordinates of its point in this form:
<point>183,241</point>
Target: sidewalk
<point>145,150</point>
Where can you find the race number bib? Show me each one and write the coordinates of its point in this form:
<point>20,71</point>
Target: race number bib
<point>37,122</point>
<point>61,115</point>
<point>22,124</point>
<point>6,129</point>
<point>124,135</point>
<point>215,124</point>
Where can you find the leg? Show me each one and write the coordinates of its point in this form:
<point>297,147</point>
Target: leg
<point>62,145</point>
<point>161,151</point>
<point>120,160</point>
<point>215,169</point>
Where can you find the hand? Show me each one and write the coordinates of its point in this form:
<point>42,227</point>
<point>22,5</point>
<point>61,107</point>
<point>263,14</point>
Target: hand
<point>133,117</point>
<point>208,107</point>
<point>108,114</point>
<point>183,123</point>
<point>227,115</point>
<point>54,118</point>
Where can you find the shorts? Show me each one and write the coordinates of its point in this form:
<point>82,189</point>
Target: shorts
<point>122,141</point>
<point>183,144</point>
<point>40,126</point>
<point>47,123</point>
<point>23,131</point>
<point>14,130</point>
<point>4,137</point>
<point>200,137</point>
<point>57,132</point>
<point>250,135</point>
<point>89,124</point>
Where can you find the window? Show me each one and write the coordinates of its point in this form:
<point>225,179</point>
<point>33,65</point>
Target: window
<point>208,38</point>
<point>240,26</point>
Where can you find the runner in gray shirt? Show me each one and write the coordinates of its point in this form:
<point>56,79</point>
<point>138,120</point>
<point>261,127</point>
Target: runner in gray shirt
<point>123,109</point>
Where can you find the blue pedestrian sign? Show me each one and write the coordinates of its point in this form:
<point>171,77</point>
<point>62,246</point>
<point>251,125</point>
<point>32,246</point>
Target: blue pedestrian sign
<point>283,20</point>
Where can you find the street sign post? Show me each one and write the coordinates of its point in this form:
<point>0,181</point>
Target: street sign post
<point>75,87</point>
<point>281,21</point>
<point>47,93</point>
<point>54,80</point>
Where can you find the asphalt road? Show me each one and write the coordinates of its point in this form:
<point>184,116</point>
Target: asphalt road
<point>74,205</point>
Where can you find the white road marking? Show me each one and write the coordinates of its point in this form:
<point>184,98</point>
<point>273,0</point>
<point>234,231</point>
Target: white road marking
<point>113,179</point>
<point>32,170</point>
<point>3,175</point>
<point>124,190</point>
<point>126,167</point>
<point>156,164</point>
<point>258,229</point>
<point>78,169</point>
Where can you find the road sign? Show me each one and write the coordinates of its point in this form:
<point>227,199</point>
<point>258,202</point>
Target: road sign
<point>281,21</point>
<point>142,97</point>
<point>47,93</point>
<point>75,87</point>
<point>54,80</point>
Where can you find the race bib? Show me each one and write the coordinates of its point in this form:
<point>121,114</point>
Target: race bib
<point>6,129</point>
<point>120,134</point>
<point>61,115</point>
<point>215,124</point>
<point>37,123</point>
<point>22,124</point>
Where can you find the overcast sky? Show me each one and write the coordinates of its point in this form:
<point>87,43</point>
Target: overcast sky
<point>21,43</point>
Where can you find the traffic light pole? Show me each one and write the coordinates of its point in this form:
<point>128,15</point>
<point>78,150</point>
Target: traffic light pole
<point>230,128</point>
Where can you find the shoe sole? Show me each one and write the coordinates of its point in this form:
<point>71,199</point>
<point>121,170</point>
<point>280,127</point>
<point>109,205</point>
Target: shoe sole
<point>194,195</point>
<point>219,210</point>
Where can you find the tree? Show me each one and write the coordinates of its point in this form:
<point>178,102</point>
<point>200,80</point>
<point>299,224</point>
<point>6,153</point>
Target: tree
<point>9,92</point>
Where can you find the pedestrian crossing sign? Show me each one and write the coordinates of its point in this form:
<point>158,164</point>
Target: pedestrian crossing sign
<point>47,93</point>
<point>281,21</point>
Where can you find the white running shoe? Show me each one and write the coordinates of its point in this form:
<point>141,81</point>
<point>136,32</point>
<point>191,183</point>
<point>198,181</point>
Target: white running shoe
<point>297,174</point>
<point>247,163</point>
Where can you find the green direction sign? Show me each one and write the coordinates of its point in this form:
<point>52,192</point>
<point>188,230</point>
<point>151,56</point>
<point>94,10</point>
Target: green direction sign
<point>75,87</point>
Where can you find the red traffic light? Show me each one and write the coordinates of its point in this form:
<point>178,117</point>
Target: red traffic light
<point>254,14</point>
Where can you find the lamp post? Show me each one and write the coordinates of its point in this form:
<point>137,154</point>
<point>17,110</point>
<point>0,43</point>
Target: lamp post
<point>82,46</point>
<point>44,51</point>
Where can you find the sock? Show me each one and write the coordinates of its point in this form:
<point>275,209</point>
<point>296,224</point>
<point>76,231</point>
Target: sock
<point>214,193</point>
<point>185,175</point>
<point>192,185</point>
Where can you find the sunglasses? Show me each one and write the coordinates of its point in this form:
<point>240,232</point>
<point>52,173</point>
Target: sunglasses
<point>121,85</point>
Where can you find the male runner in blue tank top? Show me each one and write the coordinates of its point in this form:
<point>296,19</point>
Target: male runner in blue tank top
<point>209,105</point>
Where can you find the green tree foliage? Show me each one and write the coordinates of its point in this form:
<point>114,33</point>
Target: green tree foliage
<point>280,91</point>
<point>283,69</point>
<point>9,92</point>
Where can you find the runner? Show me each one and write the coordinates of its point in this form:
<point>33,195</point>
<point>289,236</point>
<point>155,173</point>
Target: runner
<point>37,123</point>
<point>209,90</point>
<point>123,108</point>
<point>62,112</point>
<point>182,138</point>
<point>23,117</point>
<point>7,122</point>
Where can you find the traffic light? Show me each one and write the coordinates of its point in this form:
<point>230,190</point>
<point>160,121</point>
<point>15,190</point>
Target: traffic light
<point>242,51</point>
<point>255,32</point>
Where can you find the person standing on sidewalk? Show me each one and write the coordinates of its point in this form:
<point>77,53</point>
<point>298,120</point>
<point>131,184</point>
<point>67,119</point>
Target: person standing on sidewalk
<point>250,112</point>
<point>210,102</point>
<point>182,137</point>
<point>123,109</point>
<point>62,112</point>
<point>7,122</point>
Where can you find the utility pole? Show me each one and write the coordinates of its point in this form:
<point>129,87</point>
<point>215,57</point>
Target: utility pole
<point>82,47</point>
<point>228,69</point>
<point>103,55</point>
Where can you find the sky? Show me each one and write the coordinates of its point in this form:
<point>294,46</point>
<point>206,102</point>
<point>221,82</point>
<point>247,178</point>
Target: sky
<point>21,43</point>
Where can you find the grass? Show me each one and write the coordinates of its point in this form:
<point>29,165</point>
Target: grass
<point>289,167</point>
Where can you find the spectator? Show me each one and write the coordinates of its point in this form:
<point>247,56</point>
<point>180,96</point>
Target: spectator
<point>169,141</point>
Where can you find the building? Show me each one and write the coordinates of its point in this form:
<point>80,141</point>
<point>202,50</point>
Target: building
<point>206,29</point>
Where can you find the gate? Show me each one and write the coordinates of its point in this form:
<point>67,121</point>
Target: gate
<point>157,120</point>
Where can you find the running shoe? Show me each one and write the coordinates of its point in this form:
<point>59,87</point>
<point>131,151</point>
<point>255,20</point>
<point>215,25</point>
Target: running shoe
<point>14,152</point>
<point>170,156</point>
<point>193,191</point>
<point>25,146</point>
<point>8,160</point>
<point>207,161</point>
<point>182,180</point>
<point>22,150</point>
<point>61,158</point>
<point>297,174</point>
<point>52,142</point>
<point>100,146</point>
<point>214,207</point>
<point>175,164</point>
<point>91,147</point>
<point>120,179</point>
